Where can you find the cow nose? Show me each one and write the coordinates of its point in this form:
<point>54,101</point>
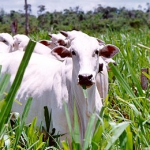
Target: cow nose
<point>85,77</point>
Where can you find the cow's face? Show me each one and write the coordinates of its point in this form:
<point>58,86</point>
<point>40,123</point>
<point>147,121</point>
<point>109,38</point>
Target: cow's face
<point>18,39</point>
<point>85,55</point>
<point>16,43</point>
<point>7,41</point>
<point>85,51</point>
<point>6,38</point>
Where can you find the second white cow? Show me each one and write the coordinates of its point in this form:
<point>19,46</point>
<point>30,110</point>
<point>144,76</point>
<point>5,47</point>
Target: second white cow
<point>21,41</point>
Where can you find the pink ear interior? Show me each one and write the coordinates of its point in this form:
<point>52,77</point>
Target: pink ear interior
<point>62,42</point>
<point>61,52</point>
<point>109,51</point>
<point>44,42</point>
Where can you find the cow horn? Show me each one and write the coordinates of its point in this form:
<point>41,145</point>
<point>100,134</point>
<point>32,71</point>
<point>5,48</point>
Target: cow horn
<point>64,33</point>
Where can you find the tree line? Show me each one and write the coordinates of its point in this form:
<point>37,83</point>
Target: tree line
<point>97,20</point>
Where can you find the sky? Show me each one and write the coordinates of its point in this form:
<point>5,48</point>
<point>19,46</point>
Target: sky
<point>85,5</point>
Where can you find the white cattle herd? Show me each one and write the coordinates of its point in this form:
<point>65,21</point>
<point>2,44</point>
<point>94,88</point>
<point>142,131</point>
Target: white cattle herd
<point>57,72</point>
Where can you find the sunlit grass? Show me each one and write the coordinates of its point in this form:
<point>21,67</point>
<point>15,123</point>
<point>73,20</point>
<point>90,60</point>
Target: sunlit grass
<point>124,121</point>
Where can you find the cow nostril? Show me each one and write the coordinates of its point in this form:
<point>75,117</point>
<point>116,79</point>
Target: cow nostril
<point>80,77</point>
<point>90,77</point>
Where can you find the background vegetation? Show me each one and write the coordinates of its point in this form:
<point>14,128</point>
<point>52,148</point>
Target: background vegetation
<point>97,20</point>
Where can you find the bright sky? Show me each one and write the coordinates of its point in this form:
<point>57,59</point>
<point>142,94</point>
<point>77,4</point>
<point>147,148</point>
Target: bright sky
<point>85,5</point>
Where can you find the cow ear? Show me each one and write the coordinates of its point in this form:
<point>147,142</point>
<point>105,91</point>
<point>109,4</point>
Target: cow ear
<point>100,42</point>
<point>61,42</point>
<point>50,35</point>
<point>64,33</point>
<point>109,51</point>
<point>61,53</point>
<point>45,42</point>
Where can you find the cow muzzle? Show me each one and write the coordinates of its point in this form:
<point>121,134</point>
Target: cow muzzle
<point>85,80</point>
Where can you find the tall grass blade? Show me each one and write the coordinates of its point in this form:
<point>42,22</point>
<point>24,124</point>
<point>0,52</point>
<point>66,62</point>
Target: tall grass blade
<point>129,145</point>
<point>4,84</point>
<point>89,132</point>
<point>116,132</point>
<point>23,118</point>
<point>65,146</point>
<point>97,137</point>
<point>76,126</point>
<point>147,75</point>
<point>47,118</point>
<point>141,45</point>
<point>123,83</point>
<point>68,119</point>
<point>135,80</point>
<point>76,133</point>
<point>7,141</point>
<point>31,147</point>
<point>31,130</point>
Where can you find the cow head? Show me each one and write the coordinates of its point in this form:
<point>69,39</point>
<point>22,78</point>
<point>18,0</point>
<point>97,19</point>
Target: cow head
<point>7,40</point>
<point>85,51</point>
<point>20,41</point>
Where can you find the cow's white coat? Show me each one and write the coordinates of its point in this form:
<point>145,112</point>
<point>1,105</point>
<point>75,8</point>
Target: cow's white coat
<point>21,41</point>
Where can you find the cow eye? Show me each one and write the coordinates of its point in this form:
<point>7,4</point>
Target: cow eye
<point>73,53</point>
<point>96,52</point>
<point>4,41</point>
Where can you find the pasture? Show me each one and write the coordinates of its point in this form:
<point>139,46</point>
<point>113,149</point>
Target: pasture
<point>124,121</point>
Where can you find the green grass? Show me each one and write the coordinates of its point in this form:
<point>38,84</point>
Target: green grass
<point>124,121</point>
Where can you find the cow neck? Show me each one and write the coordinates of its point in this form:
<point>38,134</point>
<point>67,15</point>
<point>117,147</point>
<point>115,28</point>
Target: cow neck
<point>85,106</point>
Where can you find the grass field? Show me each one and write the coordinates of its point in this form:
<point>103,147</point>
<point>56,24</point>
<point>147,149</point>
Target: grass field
<point>124,121</point>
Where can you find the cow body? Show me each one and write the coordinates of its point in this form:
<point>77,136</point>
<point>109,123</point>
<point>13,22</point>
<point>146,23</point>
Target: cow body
<point>37,82</point>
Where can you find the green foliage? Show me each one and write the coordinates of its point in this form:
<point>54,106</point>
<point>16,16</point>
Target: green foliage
<point>94,21</point>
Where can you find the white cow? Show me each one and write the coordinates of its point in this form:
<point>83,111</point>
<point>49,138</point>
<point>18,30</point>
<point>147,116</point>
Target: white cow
<point>102,78</point>
<point>55,40</point>
<point>6,43</point>
<point>84,51</point>
<point>37,82</point>
<point>21,41</point>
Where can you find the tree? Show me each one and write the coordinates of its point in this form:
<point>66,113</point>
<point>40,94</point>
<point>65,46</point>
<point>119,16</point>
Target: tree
<point>148,7</point>
<point>26,15</point>
<point>2,13</point>
<point>14,26</point>
<point>41,9</point>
